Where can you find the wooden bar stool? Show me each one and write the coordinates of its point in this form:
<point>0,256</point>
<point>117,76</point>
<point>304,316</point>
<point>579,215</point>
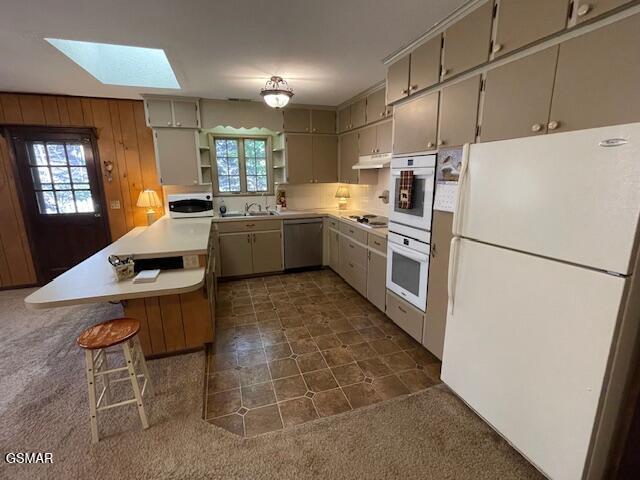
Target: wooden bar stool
<point>95,341</point>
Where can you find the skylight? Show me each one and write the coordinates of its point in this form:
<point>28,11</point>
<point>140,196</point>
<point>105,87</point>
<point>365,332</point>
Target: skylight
<point>120,64</point>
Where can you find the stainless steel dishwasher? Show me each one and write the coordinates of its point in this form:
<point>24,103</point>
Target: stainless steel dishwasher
<point>302,243</point>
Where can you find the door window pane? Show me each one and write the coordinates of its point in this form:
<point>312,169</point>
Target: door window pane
<point>75,154</point>
<point>46,202</point>
<point>60,175</point>
<point>56,154</point>
<point>405,273</point>
<point>38,156</point>
<point>66,203</point>
<point>79,175</point>
<point>84,202</point>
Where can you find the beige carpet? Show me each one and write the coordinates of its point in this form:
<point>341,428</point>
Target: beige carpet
<point>43,407</point>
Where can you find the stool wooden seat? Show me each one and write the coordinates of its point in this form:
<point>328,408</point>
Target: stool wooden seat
<point>95,341</point>
<point>109,333</point>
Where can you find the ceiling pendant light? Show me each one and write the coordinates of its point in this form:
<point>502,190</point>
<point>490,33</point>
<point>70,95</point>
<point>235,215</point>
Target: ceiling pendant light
<point>276,92</point>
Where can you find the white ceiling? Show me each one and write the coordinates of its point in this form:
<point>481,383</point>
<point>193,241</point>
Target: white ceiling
<point>328,50</point>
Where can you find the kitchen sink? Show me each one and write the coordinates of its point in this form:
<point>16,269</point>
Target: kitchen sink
<point>249,214</point>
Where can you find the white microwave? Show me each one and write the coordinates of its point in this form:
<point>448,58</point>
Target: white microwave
<point>186,205</point>
<point>423,169</point>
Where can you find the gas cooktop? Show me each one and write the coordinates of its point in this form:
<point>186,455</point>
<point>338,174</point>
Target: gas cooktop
<point>371,221</point>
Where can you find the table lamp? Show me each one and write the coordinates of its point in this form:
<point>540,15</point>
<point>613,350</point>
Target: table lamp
<point>149,199</point>
<point>342,193</point>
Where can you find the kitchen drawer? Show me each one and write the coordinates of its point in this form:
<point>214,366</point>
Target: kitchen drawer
<point>355,275</point>
<point>353,252</point>
<point>405,315</point>
<point>333,223</point>
<point>249,225</point>
<point>354,232</point>
<point>378,243</point>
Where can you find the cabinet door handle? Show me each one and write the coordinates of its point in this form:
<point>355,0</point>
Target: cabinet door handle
<point>249,238</point>
<point>376,243</point>
<point>584,9</point>
<point>445,71</point>
<point>351,265</point>
<point>429,144</point>
<point>402,309</point>
<point>441,142</point>
<point>552,125</point>
<point>536,127</point>
<point>249,224</point>
<point>254,238</point>
<point>381,114</point>
<point>351,245</point>
<point>405,91</point>
<point>496,48</point>
<point>414,87</point>
<point>178,124</point>
<point>168,124</point>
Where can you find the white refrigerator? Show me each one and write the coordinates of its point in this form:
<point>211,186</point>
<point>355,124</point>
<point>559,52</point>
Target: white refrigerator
<point>537,335</point>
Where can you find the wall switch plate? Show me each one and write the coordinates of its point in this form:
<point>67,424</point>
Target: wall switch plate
<point>190,261</point>
<point>114,204</point>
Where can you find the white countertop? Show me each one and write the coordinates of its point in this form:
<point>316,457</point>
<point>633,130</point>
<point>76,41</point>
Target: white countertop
<point>93,280</point>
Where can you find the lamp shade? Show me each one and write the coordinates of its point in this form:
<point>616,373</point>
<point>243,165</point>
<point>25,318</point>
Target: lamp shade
<point>342,192</point>
<point>149,199</point>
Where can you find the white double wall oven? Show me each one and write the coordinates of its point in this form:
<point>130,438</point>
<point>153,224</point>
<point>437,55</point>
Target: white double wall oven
<point>410,229</point>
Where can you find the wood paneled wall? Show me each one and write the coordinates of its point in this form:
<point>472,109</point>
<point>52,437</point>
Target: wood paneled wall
<point>123,139</point>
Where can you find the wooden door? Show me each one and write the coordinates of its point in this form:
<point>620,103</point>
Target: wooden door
<point>348,157</point>
<point>323,121</point>
<point>518,96</point>
<point>367,141</point>
<point>358,113</point>
<point>466,42</point>
<point>62,196</point>
<point>523,22</point>
<point>377,279</point>
<point>334,250</point>
<point>159,113</point>
<point>376,108</point>
<point>597,78</point>
<point>458,112</point>
<point>437,295</point>
<point>383,137</point>
<point>398,79</point>
<point>177,156</point>
<point>299,158</point>
<point>415,125</point>
<point>344,119</point>
<point>235,254</point>
<point>296,120</point>
<point>425,65</point>
<point>588,9</point>
<point>185,114</point>
<point>325,158</point>
<point>267,252</point>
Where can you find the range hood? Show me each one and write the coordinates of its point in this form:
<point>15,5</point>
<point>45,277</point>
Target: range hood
<point>377,160</point>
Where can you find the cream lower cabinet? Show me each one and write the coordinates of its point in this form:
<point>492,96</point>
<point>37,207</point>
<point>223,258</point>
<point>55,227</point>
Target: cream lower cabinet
<point>377,279</point>
<point>250,248</point>
<point>334,250</point>
<point>236,257</point>
<point>266,251</point>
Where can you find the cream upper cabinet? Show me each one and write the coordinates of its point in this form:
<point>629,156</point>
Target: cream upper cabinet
<point>597,78</point>
<point>358,113</point>
<point>376,108</point>
<point>425,65</point>
<point>377,279</point>
<point>266,252</point>
<point>299,153</point>
<point>177,156</point>
<point>437,295</point>
<point>458,113</point>
<point>172,112</point>
<point>324,158</point>
<point>348,157</point>
<point>383,137</point>
<point>520,22</point>
<point>323,121</point>
<point>344,119</point>
<point>517,97</point>
<point>466,42</point>
<point>367,141</point>
<point>398,79</point>
<point>296,120</point>
<point>235,254</point>
<point>415,125</point>
<point>185,114</point>
<point>588,9</point>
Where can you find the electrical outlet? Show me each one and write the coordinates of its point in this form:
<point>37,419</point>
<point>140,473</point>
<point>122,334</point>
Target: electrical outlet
<point>114,204</point>
<point>190,261</point>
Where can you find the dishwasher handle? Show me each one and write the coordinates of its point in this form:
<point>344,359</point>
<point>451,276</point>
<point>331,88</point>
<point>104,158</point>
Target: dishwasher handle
<point>298,221</point>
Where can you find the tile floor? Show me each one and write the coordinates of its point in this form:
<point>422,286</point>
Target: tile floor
<point>296,347</point>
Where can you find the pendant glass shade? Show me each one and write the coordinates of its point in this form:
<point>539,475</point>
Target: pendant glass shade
<point>276,92</point>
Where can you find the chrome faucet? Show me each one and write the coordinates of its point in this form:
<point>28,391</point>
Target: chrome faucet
<point>247,206</point>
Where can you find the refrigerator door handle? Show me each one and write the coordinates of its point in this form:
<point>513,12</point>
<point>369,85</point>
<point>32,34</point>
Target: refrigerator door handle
<point>451,280</point>
<point>457,212</point>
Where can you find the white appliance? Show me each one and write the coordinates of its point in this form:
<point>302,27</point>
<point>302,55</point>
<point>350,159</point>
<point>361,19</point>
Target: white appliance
<point>419,215</point>
<point>186,205</point>
<point>376,160</point>
<point>408,268</point>
<point>544,236</point>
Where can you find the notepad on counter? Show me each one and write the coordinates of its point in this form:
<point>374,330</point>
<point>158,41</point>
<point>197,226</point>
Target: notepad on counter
<point>147,276</point>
